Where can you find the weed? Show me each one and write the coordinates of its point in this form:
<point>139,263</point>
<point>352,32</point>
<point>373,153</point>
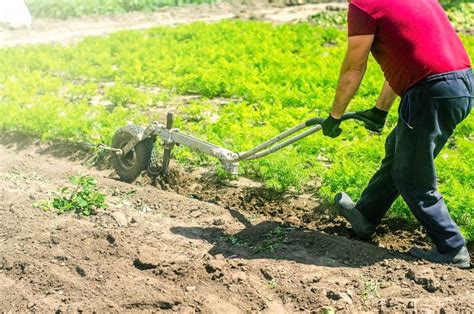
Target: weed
<point>83,199</point>
<point>272,284</point>
<point>44,205</point>
<point>273,240</point>
<point>327,310</point>
<point>234,240</point>
<point>253,218</point>
<point>15,176</point>
<point>370,290</point>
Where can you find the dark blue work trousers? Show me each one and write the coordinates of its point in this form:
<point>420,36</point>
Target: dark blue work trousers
<point>428,115</point>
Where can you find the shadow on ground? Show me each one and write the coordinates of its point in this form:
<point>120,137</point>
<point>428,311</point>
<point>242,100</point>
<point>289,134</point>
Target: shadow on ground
<point>273,240</point>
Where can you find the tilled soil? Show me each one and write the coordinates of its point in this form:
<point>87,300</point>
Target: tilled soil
<point>215,247</point>
<point>296,210</point>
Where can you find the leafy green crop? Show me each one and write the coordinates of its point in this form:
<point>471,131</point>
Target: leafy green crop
<point>448,4</point>
<point>462,16</point>
<point>83,199</point>
<point>274,77</point>
<point>330,18</point>
<point>75,8</point>
<point>460,13</point>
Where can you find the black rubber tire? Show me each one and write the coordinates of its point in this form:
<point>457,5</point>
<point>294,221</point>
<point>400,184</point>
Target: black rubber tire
<point>130,166</point>
<point>154,170</point>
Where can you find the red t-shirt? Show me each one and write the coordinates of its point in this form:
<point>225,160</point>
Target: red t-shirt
<point>413,39</point>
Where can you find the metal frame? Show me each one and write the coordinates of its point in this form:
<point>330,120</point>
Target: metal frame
<point>229,159</point>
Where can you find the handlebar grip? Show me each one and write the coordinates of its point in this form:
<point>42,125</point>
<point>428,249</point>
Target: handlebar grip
<point>346,116</point>
<point>314,121</point>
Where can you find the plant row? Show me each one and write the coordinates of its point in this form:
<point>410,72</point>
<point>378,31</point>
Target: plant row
<point>460,13</point>
<point>75,8</point>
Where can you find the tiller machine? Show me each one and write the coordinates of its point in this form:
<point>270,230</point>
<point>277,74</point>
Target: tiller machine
<point>133,147</point>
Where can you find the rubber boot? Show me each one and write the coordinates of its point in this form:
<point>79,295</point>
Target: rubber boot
<point>362,228</point>
<point>458,258</point>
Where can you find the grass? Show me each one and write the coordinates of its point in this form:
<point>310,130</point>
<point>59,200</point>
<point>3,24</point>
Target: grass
<point>281,76</point>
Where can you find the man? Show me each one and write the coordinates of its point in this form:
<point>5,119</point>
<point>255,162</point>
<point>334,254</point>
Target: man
<point>425,63</point>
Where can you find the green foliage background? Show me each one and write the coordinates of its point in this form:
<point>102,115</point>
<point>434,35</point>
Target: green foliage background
<point>460,13</point>
<point>75,8</point>
<point>282,75</point>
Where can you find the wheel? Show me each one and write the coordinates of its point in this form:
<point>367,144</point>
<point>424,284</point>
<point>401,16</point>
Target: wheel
<point>131,165</point>
<point>154,170</point>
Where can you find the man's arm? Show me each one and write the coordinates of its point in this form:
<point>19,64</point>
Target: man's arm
<point>352,71</point>
<point>386,98</point>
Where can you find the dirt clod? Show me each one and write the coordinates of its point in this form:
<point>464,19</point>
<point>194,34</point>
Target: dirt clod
<point>120,218</point>
<point>266,274</point>
<point>334,295</point>
<point>110,238</point>
<point>190,288</point>
<point>80,271</point>
<point>138,264</point>
<point>217,222</point>
<point>424,277</point>
<point>239,277</point>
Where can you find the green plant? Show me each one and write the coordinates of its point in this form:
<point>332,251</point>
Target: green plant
<point>330,18</point>
<point>370,290</point>
<point>44,205</point>
<point>273,240</point>
<point>234,240</point>
<point>14,176</point>
<point>272,284</point>
<point>462,16</point>
<point>453,3</point>
<point>327,310</point>
<point>83,198</point>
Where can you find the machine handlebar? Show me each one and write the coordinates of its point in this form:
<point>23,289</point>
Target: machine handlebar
<point>346,116</point>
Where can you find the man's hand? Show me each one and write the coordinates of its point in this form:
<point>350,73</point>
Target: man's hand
<point>377,118</point>
<point>331,127</point>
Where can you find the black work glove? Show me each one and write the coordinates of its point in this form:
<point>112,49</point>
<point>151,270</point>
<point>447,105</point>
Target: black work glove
<point>377,119</point>
<point>331,127</point>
